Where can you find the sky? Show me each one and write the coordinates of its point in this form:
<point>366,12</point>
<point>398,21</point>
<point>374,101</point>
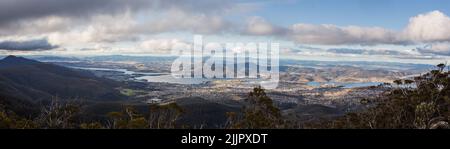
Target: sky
<point>409,31</point>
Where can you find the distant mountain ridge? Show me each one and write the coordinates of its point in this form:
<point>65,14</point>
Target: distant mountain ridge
<point>12,60</point>
<point>31,82</point>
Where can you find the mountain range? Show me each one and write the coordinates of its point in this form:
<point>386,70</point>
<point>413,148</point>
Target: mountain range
<point>25,83</point>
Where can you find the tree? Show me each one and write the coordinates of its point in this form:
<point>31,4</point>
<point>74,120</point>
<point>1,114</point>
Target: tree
<point>441,67</point>
<point>159,116</point>
<point>425,106</point>
<point>259,113</point>
<point>164,116</point>
<point>58,114</point>
<point>9,120</point>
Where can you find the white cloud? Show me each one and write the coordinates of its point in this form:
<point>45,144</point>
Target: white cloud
<point>429,27</point>
<point>101,28</point>
<point>177,20</point>
<point>259,26</point>
<point>162,46</point>
<point>328,34</point>
<point>440,48</point>
<point>124,25</point>
<point>424,28</point>
<point>112,28</point>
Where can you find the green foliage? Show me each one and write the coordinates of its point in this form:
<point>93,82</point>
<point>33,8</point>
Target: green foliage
<point>259,113</point>
<point>424,106</point>
<point>138,123</point>
<point>159,116</point>
<point>93,125</point>
<point>11,121</point>
<point>419,103</point>
<point>66,115</point>
<point>424,113</point>
<point>59,114</point>
<point>164,116</point>
<point>130,92</point>
<point>398,82</point>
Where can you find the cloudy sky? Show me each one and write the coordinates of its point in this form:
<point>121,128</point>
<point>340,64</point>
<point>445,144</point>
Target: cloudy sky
<point>413,31</point>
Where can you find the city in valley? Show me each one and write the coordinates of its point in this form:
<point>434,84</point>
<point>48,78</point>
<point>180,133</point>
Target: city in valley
<point>307,90</point>
<point>225,64</point>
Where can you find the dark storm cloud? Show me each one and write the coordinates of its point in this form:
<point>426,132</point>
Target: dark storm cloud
<point>14,10</point>
<point>28,45</point>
